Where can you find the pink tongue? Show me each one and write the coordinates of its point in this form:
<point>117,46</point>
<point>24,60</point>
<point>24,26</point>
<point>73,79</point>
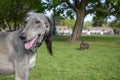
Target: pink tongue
<point>29,44</point>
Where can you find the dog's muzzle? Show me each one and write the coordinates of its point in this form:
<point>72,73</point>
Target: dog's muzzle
<point>32,43</point>
<point>23,36</point>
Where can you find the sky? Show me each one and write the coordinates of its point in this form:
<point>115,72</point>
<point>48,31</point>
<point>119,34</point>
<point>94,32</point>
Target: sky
<point>89,17</point>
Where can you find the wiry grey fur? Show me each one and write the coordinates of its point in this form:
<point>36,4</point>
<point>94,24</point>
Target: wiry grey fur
<point>14,57</point>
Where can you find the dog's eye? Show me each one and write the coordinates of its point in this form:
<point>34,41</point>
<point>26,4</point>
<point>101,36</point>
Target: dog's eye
<point>37,22</point>
<point>46,26</point>
<point>25,22</point>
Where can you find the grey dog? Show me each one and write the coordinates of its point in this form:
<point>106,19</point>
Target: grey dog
<point>18,49</point>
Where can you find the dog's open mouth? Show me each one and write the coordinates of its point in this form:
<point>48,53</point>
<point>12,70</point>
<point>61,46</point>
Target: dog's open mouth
<point>29,44</point>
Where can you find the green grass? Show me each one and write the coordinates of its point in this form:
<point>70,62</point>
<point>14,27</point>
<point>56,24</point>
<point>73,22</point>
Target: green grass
<point>100,62</point>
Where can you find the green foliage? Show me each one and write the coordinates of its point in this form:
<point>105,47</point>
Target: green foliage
<point>101,17</point>
<point>67,22</point>
<point>115,0</point>
<point>88,24</point>
<point>100,62</point>
<point>111,7</point>
<point>61,8</point>
<point>115,24</point>
<point>12,12</point>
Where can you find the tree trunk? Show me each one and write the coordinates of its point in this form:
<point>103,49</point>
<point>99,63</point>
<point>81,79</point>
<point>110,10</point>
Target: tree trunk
<point>77,31</point>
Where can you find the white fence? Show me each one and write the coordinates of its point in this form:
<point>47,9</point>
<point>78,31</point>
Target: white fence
<point>63,30</point>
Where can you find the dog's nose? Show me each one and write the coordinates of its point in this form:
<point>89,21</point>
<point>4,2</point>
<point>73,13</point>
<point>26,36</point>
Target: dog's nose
<point>23,36</point>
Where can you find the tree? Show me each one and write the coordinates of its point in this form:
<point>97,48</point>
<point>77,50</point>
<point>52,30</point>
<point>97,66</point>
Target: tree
<point>12,12</point>
<point>114,23</point>
<point>99,20</point>
<point>79,9</point>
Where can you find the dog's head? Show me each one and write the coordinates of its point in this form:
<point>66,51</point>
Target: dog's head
<point>37,28</point>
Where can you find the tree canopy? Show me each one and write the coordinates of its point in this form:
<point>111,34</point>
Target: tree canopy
<point>12,12</point>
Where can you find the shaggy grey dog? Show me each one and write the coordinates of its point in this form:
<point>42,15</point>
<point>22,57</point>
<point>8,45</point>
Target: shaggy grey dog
<point>18,49</point>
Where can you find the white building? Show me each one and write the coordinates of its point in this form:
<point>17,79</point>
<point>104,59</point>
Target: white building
<point>97,30</point>
<point>63,30</point>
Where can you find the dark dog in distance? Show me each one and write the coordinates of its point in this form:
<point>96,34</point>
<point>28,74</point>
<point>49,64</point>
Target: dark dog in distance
<point>84,45</point>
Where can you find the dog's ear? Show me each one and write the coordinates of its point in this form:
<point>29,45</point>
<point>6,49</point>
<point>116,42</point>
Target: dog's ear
<point>48,35</point>
<point>48,41</point>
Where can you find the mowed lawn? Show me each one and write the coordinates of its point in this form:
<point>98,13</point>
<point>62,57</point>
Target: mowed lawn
<point>100,62</point>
